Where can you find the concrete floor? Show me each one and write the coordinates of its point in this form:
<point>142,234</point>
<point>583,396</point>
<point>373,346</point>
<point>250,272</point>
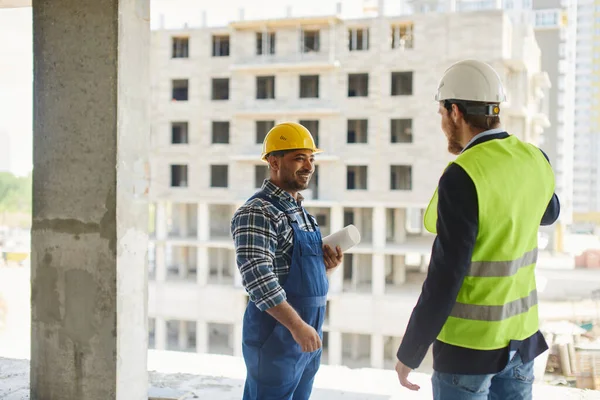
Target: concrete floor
<point>217,377</point>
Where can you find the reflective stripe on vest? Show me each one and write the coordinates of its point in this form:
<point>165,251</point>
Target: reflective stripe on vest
<point>495,313</point>
<point>497,302</point>
<point>502,268</point>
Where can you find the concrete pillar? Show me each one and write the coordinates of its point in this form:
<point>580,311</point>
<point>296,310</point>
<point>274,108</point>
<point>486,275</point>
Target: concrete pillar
<point>358,221</point>
<point>160,334</point>
<point>452,6</point>
<point>161,262</point>
<point>399,268</point>
<point>424,263</point>
<point>332,42</point>
<point>355,348</point>
<point>355,272</point>
<point>203,222</point>
<point>183,261</point>
<point>378,274</point>
<point>237,340</point>
<point>400,225</point>
<point>182,335</point>
<point>336,280</point>
<point>379,227</point>
<point>202,266</point>
<point>89,241</point>
<point>201,337</point>
<point>183,220</point>
<point>335,348</point>
<point>220,265</point>
<point>377,353</point>
<point>161,221</point>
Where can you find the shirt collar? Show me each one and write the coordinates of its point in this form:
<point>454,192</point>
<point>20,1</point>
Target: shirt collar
<point>494,131</point>
<point>275,191</point>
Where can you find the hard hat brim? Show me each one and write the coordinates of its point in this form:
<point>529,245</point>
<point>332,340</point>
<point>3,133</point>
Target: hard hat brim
<point>314,151</point>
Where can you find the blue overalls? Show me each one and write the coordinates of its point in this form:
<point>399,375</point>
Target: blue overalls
<point>277,369</point>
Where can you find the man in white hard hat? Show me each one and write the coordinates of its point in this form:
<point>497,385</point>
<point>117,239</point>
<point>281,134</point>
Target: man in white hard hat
<point>478,304</point>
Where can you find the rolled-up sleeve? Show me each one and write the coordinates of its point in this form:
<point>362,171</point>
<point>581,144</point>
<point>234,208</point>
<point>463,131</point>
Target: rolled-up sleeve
<point>255,241</point>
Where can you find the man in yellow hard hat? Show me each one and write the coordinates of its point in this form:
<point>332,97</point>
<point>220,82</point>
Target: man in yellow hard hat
<point>284,267</point>
<point>478,304</point>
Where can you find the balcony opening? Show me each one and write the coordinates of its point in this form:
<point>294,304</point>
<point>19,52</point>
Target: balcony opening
<point>151,333</point>
<point>152,260</point>
<point>182,220</point>
<point>261,172</point>
<point>390,348</point>
<point>400,177</point>
<point>181,335</point>
<point>358,39</point>
<point>402,83</point>
<point>401,131</point>
<point>262,128</point>
<point>219,176</point>
<point>220,339</point>
<point>325,351</point>
<point>220,220</point>
<point>179,175</point>
<point>180,90</point>
<point>180,47</point>
<point>414,221</point>
<point>181,263</point>
<point>265,43</point>
<point>402,36</point>
<point>357,130</point>
<point>179,133</point>
<point>265,87</point>
<point>358,85</point>
<point>310,41</point>
<point>356,177</point>
<point>220,132</point>
<point>358,274</point>
<point>309,86</point>
<point>313,127</point>
<point>221,266</point>
<point>312,191</point>
<point>362,218</point>
<point>323,217</point>
<point>220,45</point>
<point>356,350</point>
<point>395,273</point>
<point>220,89</point>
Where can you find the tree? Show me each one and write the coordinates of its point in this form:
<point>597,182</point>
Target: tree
<point>15,193</point>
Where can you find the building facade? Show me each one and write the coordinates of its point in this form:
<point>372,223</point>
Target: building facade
<point>365,89</point>
<point>586,183</point>
<point>556,33</point>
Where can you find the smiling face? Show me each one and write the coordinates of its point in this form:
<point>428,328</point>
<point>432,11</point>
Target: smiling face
<point>292,171</point>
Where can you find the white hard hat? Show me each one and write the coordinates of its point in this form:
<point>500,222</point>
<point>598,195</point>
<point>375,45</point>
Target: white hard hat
<point>471,80</point>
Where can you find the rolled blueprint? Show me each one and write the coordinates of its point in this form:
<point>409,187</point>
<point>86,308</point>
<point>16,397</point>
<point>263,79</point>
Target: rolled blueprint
<point>345,238</point>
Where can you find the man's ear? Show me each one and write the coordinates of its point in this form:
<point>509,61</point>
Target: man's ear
<point>456,114</point>
<point>273,163</point>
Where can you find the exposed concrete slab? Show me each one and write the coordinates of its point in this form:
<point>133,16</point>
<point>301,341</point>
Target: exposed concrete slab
<point>15,3</point>
<point>89,233</point>
<point>216,377</point>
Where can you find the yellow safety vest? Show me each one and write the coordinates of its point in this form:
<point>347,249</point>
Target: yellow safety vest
<point>498,299</point>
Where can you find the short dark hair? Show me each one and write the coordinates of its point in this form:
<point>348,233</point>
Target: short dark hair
<point>478,115</point>
<point>278,153</point>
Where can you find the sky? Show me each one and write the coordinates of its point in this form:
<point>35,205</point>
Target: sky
<point>16,58</point>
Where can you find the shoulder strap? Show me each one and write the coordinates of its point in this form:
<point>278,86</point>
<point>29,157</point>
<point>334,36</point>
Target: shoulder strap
<point>275,202</point>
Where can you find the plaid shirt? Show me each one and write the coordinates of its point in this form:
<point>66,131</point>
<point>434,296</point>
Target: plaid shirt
<point>263,239</point>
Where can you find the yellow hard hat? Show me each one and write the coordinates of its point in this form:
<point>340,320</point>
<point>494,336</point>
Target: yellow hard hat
<point>288,136</point>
